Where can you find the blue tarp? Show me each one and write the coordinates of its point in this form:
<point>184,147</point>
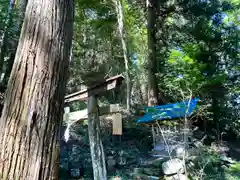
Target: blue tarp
<point>169,111</point>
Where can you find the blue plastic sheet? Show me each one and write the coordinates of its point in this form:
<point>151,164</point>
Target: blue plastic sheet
<point>169,111</point>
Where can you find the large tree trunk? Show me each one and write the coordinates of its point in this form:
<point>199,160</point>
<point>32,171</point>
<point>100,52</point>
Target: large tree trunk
<point>152,61</point>
<point>119,11</point>
<point>22,7</point>
<point>33,108</point>
<point>97,152</point>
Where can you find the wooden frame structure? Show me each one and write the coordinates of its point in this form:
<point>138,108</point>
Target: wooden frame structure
<point>108,84</point>
<point>111,112</point>
<point>114,109</point>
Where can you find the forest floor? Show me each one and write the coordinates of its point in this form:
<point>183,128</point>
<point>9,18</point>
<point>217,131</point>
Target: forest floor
<point>137,153</point>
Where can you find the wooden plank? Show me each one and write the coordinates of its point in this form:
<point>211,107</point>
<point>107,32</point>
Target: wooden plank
<point>107,85</point>
<point>83,114</point>
<point>113,111</point>
<point>75,116</point>
<point>117,124</point>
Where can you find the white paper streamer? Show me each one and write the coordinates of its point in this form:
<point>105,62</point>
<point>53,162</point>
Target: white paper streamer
<point>67,133</point>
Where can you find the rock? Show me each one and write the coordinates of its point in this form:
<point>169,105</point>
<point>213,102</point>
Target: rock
<point>138,170</point>
<point>144,177</point>
<point>122,161</point>
<point>193,152</point>
<point>117,178</point>
<point>176,177</point>
<point>159,147</point>
<point>180,177</point>
<point>146,173</point>
<point>226,159</point>
<point>111,163</point>
<point>75,173</point>
<point>151,171</point>
<point>153,161</point>
<point>198,144</point>
<point>220,147</point>
<point>173,166</point>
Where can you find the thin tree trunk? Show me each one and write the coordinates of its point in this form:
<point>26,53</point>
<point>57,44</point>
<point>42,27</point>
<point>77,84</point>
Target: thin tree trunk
<point>119,10</point>
<point>96,147</point>
<point>152,61</point>
<point>216,120</point>
<point>33,108</point>
<point>143,89</point>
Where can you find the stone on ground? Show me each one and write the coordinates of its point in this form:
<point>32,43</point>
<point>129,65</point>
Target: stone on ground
<point>173,166</point>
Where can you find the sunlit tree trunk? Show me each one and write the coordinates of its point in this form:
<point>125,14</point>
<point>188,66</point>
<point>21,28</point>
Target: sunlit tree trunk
<point>119,10</point>
<point>96,147</point>
<point>144,89</point>
<point>152,61</point>
<point>33,108</point>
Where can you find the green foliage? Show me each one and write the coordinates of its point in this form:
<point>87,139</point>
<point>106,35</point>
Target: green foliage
<point>3,15</point>
<point>186,73</point>
<point>209,166</point>
<point>236,167</point>
<point>201,49</point>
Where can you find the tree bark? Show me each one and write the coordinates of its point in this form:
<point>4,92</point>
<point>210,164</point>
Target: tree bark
<point>33,108</point>
<point>119,11</point>
<point>96,147</point>
<point>9,65</point>
<point>153,98</point>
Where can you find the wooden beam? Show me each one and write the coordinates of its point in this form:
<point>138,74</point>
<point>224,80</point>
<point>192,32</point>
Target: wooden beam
<point>72,117</point>
<point>107,85</point>
<point>113,113</point>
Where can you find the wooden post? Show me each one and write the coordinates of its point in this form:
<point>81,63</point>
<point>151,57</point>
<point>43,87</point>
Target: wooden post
<point>116,120</point>
<point>117,124</point>
<point>96,147</point>
<point>66,114</point>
